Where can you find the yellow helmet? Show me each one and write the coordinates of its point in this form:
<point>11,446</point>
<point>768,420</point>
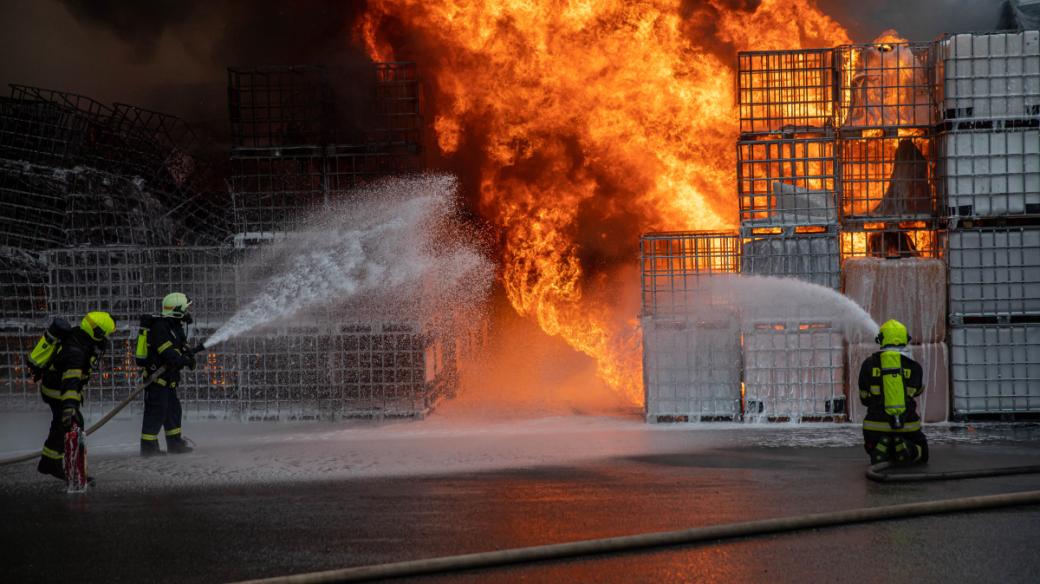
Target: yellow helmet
<point>892,334</point>
<point>98,325</point>
<point>175,304</point>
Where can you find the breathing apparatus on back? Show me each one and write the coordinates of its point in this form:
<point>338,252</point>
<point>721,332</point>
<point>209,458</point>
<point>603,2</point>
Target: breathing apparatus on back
<point>893,337</point>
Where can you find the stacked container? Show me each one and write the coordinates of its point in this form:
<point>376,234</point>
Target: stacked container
<point>788,186</point>
<point>989,173</point>
<point>691,341</point>
<point>892,241</point>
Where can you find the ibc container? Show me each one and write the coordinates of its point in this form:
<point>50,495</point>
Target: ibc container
<point>910,290</point>
<point>809,254</point>
<point>990,173</point>
<point>885,85</point>
<point>785,89</point>
<point>788,179</point>
<point>995,271</point>
<point>691,370</point>
<point>673,264</point>
<point>793,370</point>
<point>995,368</point>
<point>990,76</point>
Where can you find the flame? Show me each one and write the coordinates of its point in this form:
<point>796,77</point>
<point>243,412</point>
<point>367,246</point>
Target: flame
<point>885,83</point>
<point>913,239</point>
<point>593,121</point>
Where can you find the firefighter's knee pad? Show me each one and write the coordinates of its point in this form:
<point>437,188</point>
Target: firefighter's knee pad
<point>903,452</point>
<point>882,451</point>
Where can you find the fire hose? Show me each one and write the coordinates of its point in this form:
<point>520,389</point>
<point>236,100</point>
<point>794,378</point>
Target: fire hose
<point>133,394</point>
<point>713,533</point>
<point>876,473</point>
<point>646,541</point>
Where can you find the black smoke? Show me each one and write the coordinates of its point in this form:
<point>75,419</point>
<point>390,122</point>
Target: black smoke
<point>170,55</point>
<point>915,20</point>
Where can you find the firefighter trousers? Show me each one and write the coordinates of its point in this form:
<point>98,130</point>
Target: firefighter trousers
<point>915,443</point>
<point>162,410</point>
<point>51,457</point>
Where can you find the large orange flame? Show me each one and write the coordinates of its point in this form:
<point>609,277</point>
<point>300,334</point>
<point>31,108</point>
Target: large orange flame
<point>593,121</point>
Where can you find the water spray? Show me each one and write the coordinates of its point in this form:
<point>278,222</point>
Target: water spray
<point>391,252</point>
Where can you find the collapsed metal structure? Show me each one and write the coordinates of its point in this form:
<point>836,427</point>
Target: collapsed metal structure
<point>906,175</point>
<point>107,207</point>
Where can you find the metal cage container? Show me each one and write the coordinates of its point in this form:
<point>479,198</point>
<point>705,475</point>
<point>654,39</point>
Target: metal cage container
<point>893,240</point>
<point>995,368</point>
<point>785,89</point>
<point>990,76</point>
<point>884,85</point>
<point>788,180</point>
<point>691,369</point>
<point>888,175</point>
<point>995,271</point>
<point>793,371</point>
<point>674,264</point>
<point>807,253</point>
<point>990,173</point>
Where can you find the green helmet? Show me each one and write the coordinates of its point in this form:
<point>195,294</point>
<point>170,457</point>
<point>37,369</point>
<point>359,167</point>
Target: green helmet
<point>98,325</point>
<point>175,304</point>
<point>892,334</point>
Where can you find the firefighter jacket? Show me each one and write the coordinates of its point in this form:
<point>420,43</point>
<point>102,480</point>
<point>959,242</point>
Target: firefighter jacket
<point>169,346</point>
<point>68,373</point>
<point>888,383</point>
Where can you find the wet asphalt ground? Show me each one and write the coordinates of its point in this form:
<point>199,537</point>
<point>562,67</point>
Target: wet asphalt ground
<point>228,532</point>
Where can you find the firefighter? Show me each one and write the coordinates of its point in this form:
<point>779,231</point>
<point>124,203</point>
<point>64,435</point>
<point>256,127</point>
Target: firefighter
<point>63,380</point>
<point>166,345</point>
<point>889,380</point>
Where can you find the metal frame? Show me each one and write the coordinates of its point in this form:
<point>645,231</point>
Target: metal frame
<point>995,271</point>
<point>995,369</point>
<point>291,106</point>
<point>990,173</point>
<point>893,240</point>
<point>323,366</point>
<point>790,179</point>
<point>794,370</point>
<point>785,89</point>
<point>74,171</point>
<point>673,263</point>
<point>272,189</point>
<point>989,76</point>
<point>280,106</point>
<point>809,253</point>
<point>888,174</point>
<point>691,370</point>
<point>883,85</point>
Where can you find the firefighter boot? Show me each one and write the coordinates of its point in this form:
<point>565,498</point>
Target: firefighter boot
<point>177,445</point>
<point>150,448</point>
<point>51,466</point>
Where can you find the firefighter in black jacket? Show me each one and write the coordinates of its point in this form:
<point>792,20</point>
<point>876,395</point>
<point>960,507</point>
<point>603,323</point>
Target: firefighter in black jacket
<point>63,380</point>
<point>167,345</point>
<point>889,381</point>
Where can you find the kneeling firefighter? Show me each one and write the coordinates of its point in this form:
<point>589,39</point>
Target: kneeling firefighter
<point>889,380</point>
<point>63,361</point>
<point>163,342</point>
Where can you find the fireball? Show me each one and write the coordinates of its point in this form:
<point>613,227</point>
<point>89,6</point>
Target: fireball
<point>584,124</point>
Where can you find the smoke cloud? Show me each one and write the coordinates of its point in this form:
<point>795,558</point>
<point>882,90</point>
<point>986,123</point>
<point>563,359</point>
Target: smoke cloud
<point>167,55</point>
<point>917,20</point>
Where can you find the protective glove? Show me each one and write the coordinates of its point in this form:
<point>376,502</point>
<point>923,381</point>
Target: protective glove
<point>35,372</point>
<point>189,361</point>
<point>67,416</point>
